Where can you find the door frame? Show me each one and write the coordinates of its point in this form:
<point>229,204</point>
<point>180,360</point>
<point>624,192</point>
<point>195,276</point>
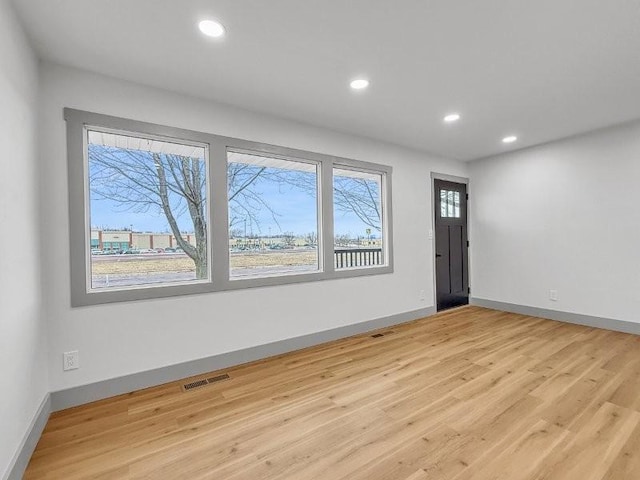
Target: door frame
<point>432,228</point>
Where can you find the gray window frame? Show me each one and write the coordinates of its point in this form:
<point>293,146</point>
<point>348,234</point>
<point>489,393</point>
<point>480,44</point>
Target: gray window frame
<point>218,248</point>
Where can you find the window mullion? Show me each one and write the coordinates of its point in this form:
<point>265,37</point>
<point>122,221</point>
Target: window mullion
<point>218,217</point>
<point>326,233</point>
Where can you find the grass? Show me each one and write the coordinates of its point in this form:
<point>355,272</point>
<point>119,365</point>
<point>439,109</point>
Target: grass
<point>124,265</point>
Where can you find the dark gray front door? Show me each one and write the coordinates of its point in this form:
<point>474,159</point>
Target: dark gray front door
<point>452,272</point>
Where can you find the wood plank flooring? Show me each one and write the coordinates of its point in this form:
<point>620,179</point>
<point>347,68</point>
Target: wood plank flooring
<point>467,394</point>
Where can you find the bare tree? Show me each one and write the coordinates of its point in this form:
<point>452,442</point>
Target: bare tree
<point>343,240</point>
<point>359,196</point>
<point>245,200</point>
<point>140,181</point>
<point>173,185</point>
<point>235,233</point>
<point>311,238</point>
<point>351,195</point>
<point>288,238</point>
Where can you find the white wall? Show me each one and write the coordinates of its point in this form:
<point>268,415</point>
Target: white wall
<point>23,371</point>
<point>119,339</point>
<point>562,216</point>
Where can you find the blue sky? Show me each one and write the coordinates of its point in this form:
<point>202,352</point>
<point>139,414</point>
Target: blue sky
<point>295,210</point>
<point>296,213</point>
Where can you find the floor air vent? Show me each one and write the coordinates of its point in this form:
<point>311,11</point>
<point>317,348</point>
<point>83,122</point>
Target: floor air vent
<point>196,384</point>
<point>204,382</point>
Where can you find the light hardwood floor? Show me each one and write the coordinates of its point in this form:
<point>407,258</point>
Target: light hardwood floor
<point>467,394</point>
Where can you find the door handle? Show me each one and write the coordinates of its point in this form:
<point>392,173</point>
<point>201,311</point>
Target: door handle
<point>438,255</point>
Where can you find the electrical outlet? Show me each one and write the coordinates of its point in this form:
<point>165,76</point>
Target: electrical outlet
<point>553,295</point>
<point>70,360</point>
<point>422,295</point>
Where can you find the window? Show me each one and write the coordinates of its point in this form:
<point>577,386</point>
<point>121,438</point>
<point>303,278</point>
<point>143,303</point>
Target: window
<point>449,204</point>
<point>147,211</point>
<point>357,212</point>
<point>158,211</point>
<point>273,215</point>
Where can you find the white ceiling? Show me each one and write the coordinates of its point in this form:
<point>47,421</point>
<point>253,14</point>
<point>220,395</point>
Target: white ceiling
<point>541,70</point>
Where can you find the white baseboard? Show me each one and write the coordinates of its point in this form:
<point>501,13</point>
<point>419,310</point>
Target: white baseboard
<point>21,459</point>
<point>586,320</point>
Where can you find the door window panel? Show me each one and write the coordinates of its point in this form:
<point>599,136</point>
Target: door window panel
<point>449,204</point>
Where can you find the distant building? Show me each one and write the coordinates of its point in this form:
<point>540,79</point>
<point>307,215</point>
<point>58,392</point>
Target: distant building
<point>120,240</point>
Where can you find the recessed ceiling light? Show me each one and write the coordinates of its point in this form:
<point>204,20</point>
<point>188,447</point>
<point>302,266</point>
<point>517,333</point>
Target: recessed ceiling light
<point>359,84</point>
<point>211,28</point>
<point>452,117</point>
<point>509,139</point>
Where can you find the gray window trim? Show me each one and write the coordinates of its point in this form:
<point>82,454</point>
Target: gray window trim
<point>217,147</point>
